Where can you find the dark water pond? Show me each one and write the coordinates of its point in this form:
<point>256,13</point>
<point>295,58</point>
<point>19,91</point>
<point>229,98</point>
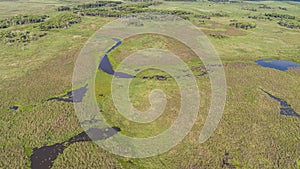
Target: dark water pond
<point>277,64</point>
<point>75,96</point>
<point>14,107</point>
<point>106,66</point>
<point>285,108</point>
<point>43,158</point>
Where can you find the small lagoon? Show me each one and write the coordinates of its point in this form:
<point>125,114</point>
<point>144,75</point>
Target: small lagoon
<point>282,65</point>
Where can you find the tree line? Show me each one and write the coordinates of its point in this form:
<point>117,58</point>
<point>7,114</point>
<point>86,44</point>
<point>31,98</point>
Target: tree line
<point>97,4</point>
<point>244,25</point>
<point>289,24</point>
<point>260,17</point>
<point>22,19</point>
<point>281,16</point>
<point>62,20</point>
<point>119,9</point>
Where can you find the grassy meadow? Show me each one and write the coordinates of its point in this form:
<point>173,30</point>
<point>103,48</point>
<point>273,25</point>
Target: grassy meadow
<point>251,132</point>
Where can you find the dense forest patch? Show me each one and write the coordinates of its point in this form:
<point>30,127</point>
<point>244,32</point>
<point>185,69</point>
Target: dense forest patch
<point>22,19</point>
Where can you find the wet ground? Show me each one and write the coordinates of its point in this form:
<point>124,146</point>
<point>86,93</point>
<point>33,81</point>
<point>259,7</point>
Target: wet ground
<point>285,108</point>
<point>43,158</point>
<point>277,64</point>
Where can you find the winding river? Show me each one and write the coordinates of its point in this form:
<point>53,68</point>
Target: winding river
<point>106,66</point>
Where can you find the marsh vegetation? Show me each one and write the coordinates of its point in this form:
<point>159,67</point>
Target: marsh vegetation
<point>40,41</point>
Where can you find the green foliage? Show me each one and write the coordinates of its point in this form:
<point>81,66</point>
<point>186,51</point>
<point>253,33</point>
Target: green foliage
<point>112,8</point>
<point>4,23</point>
<point>244,25</point>
<point>99,4</point>
<point>251,129</point>
<point>183,0</point>
<point>63,8</point>
<point>22,19</point>
<point>62,20</point>
<point>264,6</point>
<point>217,35</point>
<point>297,163</point>
<point>219,0</point>
<point>219,14</point>
<point>19,37</point>
<point>260,17</point>
<point>249,9</point>
<point>282,16</point>
<point>290,24</point>
<point>282,8</point>
<point>126,9</point>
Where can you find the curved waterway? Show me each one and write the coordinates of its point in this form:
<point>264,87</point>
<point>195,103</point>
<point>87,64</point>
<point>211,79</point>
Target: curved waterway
<point>106,66</point>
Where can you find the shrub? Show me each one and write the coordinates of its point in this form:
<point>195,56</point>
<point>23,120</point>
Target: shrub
<point>244,25</point>
<point>63,20</point>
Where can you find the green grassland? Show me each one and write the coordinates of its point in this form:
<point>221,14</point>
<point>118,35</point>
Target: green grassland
<point>251,130</point>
